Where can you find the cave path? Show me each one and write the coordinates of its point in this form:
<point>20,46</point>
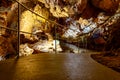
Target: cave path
<point>64,66</point>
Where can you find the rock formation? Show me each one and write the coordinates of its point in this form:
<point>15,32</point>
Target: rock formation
<point>50,21</point>
<point>106,5</point>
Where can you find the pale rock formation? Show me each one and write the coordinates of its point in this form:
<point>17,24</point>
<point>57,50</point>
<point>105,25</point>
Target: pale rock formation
<point>102,18</point>
<point>25,50</point>
<point>29,20</point>
<point>83,22</point>
<point>72,31</point>
<point>59,10</point>
<point>47,46</point>
<point>72,48</point>
<point>2,58</point>
<point>90,27</point>
<point>26,23</point>
<point>78,27</point>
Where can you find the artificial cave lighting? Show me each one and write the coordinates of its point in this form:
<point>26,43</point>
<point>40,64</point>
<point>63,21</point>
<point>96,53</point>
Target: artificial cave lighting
<point>64,23</point>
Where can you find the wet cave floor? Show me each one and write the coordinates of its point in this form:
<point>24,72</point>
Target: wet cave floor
<point>56,67</point>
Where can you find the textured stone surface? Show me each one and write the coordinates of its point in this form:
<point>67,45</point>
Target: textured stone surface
<point>47,46</point>
<point>25,50</point>
<point>106,5</point>
<point>6,47</point>
<point>81,5</point>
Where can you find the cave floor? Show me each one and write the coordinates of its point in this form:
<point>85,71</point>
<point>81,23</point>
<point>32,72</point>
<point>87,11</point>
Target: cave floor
<point>56,67</point>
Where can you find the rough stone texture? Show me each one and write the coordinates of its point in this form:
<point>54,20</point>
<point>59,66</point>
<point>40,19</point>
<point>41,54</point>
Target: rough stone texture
<point>33,21</point>
<point>108,60</point>
<point>47,46</point>
<point>3,19</point>
<point>5,3</point>
<point>90,11</point>
<point>5,47</point>
<point>81,5</point>
<point>106,5</point>
<point>25,50</point>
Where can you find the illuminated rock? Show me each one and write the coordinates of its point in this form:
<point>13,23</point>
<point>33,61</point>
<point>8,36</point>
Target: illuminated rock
<point>83,22</point>
<point>89,28</point>
<point>58,9</point>
<point>29,20</point>
<point>25,50</point>
<point>2,58</point>
<point>72,31</point>
<point>102,18</point>
<point>70,48</point>
<point>3,52</point>
<point>47,46</point>
<point>26,23</point>
<point>79,27</point>
<point>41,11</point>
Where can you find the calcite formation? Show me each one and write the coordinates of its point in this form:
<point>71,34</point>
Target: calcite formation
<point>47,46</point>
<point>25,50</point>
<point>2,58</point>
<point>78,27</point>
<point>101,18</point>
<point>72,31</point>
<point>58,9</point>
<point>29,20</point>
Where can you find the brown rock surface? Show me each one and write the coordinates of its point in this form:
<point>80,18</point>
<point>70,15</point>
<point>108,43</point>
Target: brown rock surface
<point>109,61</point>
<point>5,47</point>
<point>81,5</point>
<point>106,5</point>
<point>90,11</point>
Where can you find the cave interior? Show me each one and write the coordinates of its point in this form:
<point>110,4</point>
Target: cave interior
<point>59,26</point>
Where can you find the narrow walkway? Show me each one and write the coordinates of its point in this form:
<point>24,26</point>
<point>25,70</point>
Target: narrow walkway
<point>56,67</point>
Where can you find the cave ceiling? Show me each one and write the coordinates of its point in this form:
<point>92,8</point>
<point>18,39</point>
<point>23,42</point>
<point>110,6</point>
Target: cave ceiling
<point>72,16</point>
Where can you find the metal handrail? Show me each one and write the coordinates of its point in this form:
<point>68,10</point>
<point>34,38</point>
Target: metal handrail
<point>16,30</point>
<point>38,14</point>
<point>42,16</point>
